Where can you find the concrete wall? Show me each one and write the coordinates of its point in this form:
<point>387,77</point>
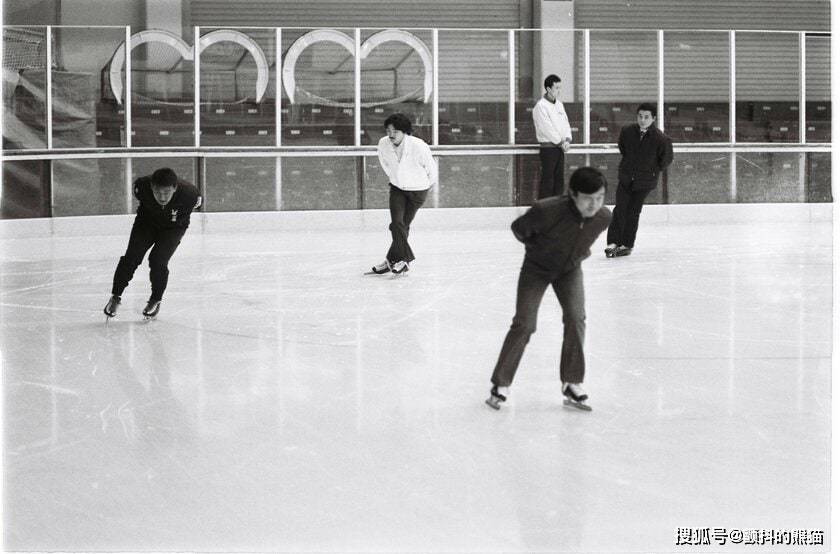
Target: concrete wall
<point>29,12</point>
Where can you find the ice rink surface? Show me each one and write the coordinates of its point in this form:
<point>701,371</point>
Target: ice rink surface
<point>282,401</point>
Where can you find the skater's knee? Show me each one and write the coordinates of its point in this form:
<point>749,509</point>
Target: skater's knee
<point>523,327</point>
<point>130,260</point>
<point>158,262</point>
<point>575,319</point>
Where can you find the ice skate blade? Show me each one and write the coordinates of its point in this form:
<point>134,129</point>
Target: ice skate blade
<point>577,405</point>
<point>494,405</point>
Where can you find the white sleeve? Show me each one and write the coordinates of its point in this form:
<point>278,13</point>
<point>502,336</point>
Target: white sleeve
<point>386,160</point>
<point>568,125</point>
<point>543,125</point>
<point>430,165</point>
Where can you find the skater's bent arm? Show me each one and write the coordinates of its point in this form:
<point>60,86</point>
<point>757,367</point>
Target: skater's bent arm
<point>529,224</point>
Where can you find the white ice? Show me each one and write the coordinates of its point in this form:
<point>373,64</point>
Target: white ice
<point>284,402</point>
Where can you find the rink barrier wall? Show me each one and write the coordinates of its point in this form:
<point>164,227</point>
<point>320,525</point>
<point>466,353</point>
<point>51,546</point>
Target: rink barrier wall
<point>378,219</point>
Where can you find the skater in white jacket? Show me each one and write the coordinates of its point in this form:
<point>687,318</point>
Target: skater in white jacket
<point>412,171</point>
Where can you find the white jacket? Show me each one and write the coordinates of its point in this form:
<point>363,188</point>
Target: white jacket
<point>417,170</point>
<point>551,122</point>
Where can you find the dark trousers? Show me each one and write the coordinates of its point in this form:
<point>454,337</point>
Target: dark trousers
<point>403,205</point>
<point>552,160</point>
<point>163,243</point>
<point>625,219</point>
<point>529,294</point>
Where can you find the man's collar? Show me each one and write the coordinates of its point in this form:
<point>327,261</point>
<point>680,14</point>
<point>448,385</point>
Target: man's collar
<point>573,208</point>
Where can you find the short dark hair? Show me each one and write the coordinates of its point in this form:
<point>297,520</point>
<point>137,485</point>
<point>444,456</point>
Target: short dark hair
<point>550,80</point>
<point>587,180</point>
<point>400,123</point>
<point>164,177</point>
<point>647,107</point>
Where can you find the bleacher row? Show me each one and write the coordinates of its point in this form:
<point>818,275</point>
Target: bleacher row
<point>249,124</point>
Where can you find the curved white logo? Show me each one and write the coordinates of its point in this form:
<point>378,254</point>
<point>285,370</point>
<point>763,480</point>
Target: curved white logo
<point>288,74</point>
<point>170,39</point>
<point>330,35</point>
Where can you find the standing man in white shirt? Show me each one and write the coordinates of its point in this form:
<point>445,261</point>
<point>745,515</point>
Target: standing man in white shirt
<point>554,135</point>
<point>412,171</point>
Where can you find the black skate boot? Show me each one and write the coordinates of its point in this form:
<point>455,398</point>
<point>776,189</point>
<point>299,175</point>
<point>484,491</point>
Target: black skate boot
<point>399,267</point>
<point>496,397</point>
<point>610,250</point>
<point>623,251</point>
<point>575,397</point>
<point>112,305</point>
<point>152,308</point>
<point>380,269</point>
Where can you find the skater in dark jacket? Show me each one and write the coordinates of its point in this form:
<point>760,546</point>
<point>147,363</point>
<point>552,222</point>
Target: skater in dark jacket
<point>163,217</point>
<point>557,232</point>
<point>645,153</point>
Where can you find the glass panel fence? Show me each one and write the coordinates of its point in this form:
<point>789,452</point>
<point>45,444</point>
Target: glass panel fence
<point>623,74</point>
<point>698,178</point>
<point>90,187</point>
<point>770,177</point>
<point>24,87</point>
<point>538,54</point>
<point>84,112</point>
<point>696,86</point>
<point>818,89</point>
<point>468,181</point>
<point>473,87</point>
<point>239,81</point>
<point>241,184</point>
<point>162,93</point>
<point>320,183</point>
<point>318,87</point>
<point>249,183</point>
<point>26,189</point>
<point>396,76</point>
<point>767,88</point>
<point>818,177</point>
<point>237,75</point>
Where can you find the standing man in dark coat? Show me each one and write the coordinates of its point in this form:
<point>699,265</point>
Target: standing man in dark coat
<point>645,153</point>
<point>163,216</point>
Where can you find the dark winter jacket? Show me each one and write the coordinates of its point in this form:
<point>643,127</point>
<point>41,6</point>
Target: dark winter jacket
<point>642,160</point>
<point>176,214</point>
<point>557,237</point>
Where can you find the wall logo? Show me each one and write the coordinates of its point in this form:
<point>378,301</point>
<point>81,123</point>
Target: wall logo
<point>186,52</point>
<point>117,65</point>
